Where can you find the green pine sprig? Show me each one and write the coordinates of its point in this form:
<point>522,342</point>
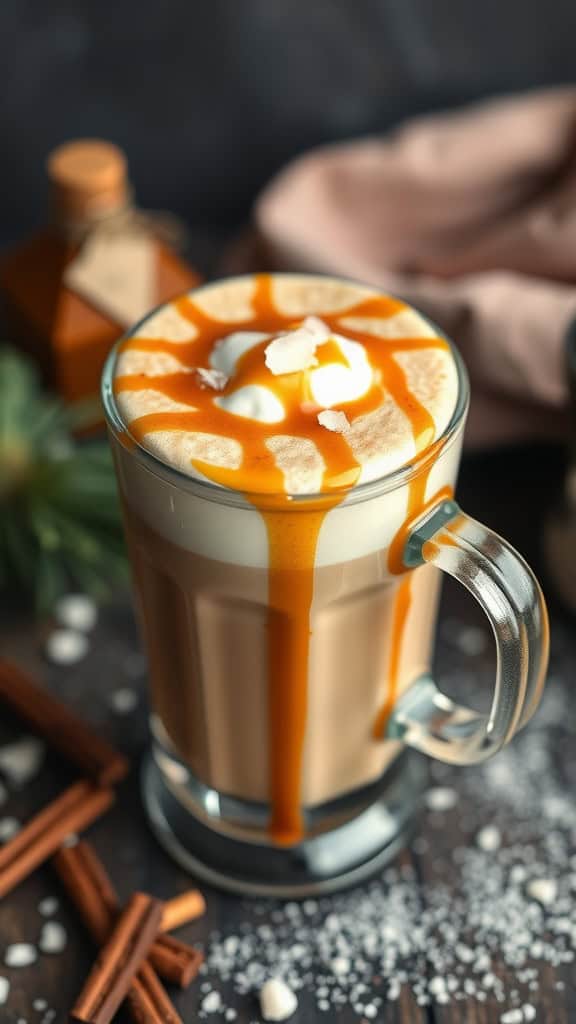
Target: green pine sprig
<point>60,522</point>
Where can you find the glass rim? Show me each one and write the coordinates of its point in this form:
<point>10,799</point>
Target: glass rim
<point>222,495</point>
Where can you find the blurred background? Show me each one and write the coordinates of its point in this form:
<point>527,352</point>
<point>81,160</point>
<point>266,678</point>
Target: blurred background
<point>210,99</point>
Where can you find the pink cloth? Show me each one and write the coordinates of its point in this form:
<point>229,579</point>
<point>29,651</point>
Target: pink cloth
<point>472,217</point>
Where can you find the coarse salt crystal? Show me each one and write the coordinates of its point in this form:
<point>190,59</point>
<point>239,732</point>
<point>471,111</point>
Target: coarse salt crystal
<point>294,351</point>
<point>123,701</point>
<point>340,965</point>
<point>9,827</point>
<point>441,798</point>
<point>529,1012</point>
<point>4,990</point>
<point>20,761</point>
<point>66,646</point>
<point>489,838</point>
<point>211,1003</point>
<point>512,1017</point>
<point>39,1005</point>
<point>215,379</point>
<point>335,421</point>
<point>48,906</point>
<point>20,954</point>
<point>518,874</point>
<point>544,890</point>
<point>277,1001</point>
<point>76,611</point>
<point>437,986</point>
<point>464,953</point>
<point>52,937</point>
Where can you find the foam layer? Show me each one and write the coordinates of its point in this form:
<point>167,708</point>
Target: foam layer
<point>380,362</point>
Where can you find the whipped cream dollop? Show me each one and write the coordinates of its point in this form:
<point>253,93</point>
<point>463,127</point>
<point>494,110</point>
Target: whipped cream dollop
<point>292,351</point>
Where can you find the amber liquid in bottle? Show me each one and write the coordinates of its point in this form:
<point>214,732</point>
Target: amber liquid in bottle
<point>68,335</point>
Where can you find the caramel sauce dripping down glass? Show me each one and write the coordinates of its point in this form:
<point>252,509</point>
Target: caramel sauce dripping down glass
<point>292,533</point>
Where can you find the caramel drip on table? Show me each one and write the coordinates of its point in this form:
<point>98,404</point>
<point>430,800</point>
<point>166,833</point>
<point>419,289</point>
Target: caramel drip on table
<point>292,532</point>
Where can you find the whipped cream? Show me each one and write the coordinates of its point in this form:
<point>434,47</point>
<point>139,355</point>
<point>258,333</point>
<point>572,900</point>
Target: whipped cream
<point>292,352</point>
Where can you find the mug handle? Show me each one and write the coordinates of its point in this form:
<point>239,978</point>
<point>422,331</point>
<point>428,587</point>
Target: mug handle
<point>506,588</point>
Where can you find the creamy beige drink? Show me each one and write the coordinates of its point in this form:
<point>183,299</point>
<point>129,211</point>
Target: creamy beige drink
<point>280,625</point>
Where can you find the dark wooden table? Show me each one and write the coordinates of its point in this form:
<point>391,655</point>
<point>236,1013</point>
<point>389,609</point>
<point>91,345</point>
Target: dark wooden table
<point>512,492</point>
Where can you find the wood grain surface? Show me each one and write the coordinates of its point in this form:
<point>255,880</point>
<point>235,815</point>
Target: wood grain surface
<point>512,492</point>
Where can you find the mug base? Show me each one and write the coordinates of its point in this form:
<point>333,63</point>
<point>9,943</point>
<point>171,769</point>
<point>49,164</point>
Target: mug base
<point>327,862</point>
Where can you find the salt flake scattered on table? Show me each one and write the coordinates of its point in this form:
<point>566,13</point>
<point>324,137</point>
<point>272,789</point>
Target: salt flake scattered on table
<point>212,1003</point>
<point>52,937</point>
<point>123,701</point>
<point>9,827</point>
<point>489,838</point>
<point>545,890</point>
<point>76,611</point>
<point>4,990</point>
<point>48,906</point>
<point>66,646</point>
<point>39,1005</point>
<point>277,1000</point>
<point>21,760</point>
<point>20,954</point>
<point>441,798</point>
<point>340,965</point>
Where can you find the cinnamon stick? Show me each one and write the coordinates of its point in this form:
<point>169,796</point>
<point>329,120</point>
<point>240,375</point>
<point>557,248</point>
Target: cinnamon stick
<point>86,881</point>
<point>91,890</point>
<point>60,727</point>
<point>182,909</point>
<point>148,1000</point>
<point>120,959</point>
<point>175,961</point>
<point>71,812</point>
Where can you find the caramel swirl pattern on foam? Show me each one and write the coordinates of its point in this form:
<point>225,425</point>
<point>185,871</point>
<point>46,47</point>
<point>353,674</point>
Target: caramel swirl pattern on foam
<point>170,410</point>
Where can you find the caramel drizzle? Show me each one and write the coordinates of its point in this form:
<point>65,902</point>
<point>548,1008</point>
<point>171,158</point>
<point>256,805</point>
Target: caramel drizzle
<point>292,533</point>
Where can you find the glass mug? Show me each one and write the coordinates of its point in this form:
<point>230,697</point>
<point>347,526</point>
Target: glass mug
<point>219,736</point>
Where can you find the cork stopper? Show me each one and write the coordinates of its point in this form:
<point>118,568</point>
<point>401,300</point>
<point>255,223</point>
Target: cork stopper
<point>89,180</point>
